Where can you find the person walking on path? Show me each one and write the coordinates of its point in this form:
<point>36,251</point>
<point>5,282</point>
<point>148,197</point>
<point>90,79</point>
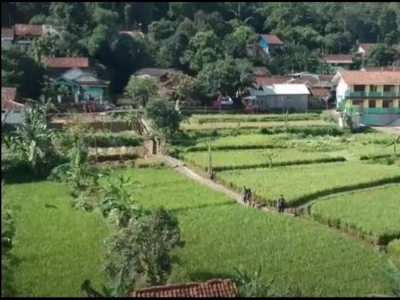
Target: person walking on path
<point>244,195</point>
<point>281,204</point>
<point>249,197</point>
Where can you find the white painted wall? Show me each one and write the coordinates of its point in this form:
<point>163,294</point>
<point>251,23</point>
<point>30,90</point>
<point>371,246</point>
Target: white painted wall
<point>15,116</point>
<point>341,89</point>
<point>6,43</point>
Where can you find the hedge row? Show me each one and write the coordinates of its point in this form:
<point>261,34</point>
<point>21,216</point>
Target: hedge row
<point>307,198</point>
<point>114,140</point>
<point>235,147</point>
<point>353,229</point>
<point>255,118</point>
<point>276,164</point>
<point>377,156</point>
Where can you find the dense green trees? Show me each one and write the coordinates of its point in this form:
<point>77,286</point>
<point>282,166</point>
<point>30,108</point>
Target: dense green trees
<point>191,35</point>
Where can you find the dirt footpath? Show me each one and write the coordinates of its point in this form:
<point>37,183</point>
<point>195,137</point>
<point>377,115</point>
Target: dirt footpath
<point>395,130</point>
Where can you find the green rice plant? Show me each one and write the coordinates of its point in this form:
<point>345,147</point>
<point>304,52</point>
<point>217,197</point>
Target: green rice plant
<point>394,249</point>
<point>59,247</point>
<point>301,184</point>
<point>248,159</point>
<point>250,125</point>
<point>372,214</point>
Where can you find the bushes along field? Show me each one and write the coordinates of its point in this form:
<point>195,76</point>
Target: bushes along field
<point>301,184</point>
<point>373,214</point>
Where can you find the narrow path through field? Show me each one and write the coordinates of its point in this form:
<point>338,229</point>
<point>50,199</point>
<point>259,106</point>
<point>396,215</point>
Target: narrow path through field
<point>181,168</point>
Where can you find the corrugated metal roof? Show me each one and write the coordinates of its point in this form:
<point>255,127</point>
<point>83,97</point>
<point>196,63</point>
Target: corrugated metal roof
<point>286,89</point>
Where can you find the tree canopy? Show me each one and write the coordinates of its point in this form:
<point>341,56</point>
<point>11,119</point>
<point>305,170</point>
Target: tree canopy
<point>189,36</point>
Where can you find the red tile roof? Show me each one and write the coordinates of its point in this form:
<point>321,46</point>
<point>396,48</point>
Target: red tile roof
<point>8,96</point>
<point>387,68</point>
<point>326,77</point>
<point>28,29</point>
<point>372,77</point>
<point>261,71</point>
<point>7,33</point>
<point>272,39</point>
<point>265,80</point>
<point>213,288</point>
<point>367,46</point>
<point>66,62</point>
<point>318,92</point>
<point>338,58</point>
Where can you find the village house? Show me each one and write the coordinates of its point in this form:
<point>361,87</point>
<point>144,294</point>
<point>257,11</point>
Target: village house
<point>344,61</point>
<point>279,97</point>
<point>210,289</point>
<point>7,38</point>
<point>364,48</point>
<point>269,43</point>
<point>375,95</point>
<point>22,35</point>
<point>74,74</point>
<point>12,112</point>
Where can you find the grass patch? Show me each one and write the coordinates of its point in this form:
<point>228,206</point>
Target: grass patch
<point>246,159</point>
<point>373,215</point>
<point>394,249</point>
<point>56,247</point>
<point>301,184</point>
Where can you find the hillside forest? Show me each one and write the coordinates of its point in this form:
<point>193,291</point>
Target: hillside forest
<point>206,40</point>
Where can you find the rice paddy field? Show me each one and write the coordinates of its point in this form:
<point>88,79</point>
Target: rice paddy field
<point>252,118</point>
<point>244,125</point>
<point>240,159</point>
<point>302,183</point>
<point>58,247</point>
<point>372,214</point>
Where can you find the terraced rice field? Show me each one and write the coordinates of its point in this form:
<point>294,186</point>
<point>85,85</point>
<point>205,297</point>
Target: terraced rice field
<point>252,118</point>
<point>372,214</point>
<point>240,159</point>
<point>303,183</point>
<point>239,125</point>
<point>221,236</point>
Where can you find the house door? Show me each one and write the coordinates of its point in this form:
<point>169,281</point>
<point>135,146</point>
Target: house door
<point>154,147</point>
<point>391,108</point>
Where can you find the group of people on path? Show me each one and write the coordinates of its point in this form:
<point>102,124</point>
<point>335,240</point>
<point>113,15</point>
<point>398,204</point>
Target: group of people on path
<point>247,199</point>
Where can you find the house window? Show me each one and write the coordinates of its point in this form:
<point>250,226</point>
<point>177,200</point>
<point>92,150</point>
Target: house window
<point>373,88</point>
<point>17,111</point>
<point>359,88</point>
<point>372,104</point>
<point>385,104</point>
<point>388,88</point>
<point>3,111</point>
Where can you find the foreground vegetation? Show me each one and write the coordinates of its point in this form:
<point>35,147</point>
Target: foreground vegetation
<point>372,214</point>
<point>57,247</point>
<point>43,225</point>
<point>300,184</point>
